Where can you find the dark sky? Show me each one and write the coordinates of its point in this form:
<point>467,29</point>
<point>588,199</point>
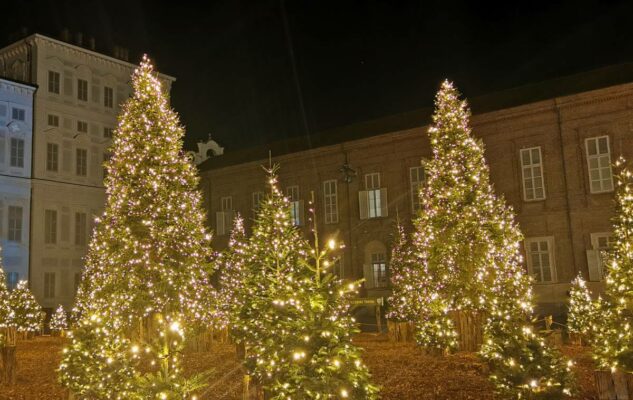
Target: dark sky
<point>354,60</point>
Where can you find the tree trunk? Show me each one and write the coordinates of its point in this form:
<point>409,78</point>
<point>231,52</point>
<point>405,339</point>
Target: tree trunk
<point>9,365</point>
<point>469,327</point>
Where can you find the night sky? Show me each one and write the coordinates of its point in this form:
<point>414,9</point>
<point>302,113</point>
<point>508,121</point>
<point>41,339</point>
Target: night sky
<point>252,72</point>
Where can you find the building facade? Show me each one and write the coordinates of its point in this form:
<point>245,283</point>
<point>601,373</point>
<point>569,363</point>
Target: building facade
<point>16,134</point>
<point>550,158</point>
<point>76,107</point>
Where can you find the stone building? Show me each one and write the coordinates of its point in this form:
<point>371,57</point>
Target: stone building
<point>550,147</point>
<point>76,107</point>
<point>16,134</point>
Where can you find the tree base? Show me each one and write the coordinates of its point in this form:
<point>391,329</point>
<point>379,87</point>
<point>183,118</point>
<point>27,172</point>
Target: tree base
<point>614,386</point>
<point>400,331</point>
<point>9,365</point>
<point>469,326</point>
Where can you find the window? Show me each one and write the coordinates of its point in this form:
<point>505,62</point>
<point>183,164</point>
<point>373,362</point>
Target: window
<point>52,157</point>
<point>330,201</point>
<point>373,200</point>
<point>106,158</point>
<point>15,224</point>
<point>82,89</point>
<point>17,152</point>
<point>53,82</point>
<point>224,217</point>
<point>296,205</point>
<point>379,269</point>
<point>80,229</point>
<point>108,97</point>
<point>532,170</point>
<point>540,259</point>
<point>258,197</point>
<point>12,280</point>
<point>53,120</point>
<point>107,132</point>
<point>599,164</point>
<point>82,126</point>
<point>417,179</point>
<point>81,168</point>
<point>50,226</point>
<point>49,285</point>
<point>18,114</point>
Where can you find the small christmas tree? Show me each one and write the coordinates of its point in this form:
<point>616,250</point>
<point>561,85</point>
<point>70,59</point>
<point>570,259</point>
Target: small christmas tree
<point>613,345</point>
<point>232,265</point>
<point>402,302</point>
<point>580,317</point>
<point>59,322</point>
<point>295,317</point>
<point>148,268</point>
<point>6,312</point>
<point>468,245</point>
<point>27,313</point>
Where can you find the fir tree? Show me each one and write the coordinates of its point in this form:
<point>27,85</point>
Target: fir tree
<point>403,280</point>
<point>27,313</point>
<point>149,256</point>
<point>581,313</point>
<point>613,346</point>
<point>59,322</point>
<point>468,244</point>
<point>296,322</point>
<point>6,312</point>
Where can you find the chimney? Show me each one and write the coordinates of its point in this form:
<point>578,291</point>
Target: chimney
<point>65,35</point>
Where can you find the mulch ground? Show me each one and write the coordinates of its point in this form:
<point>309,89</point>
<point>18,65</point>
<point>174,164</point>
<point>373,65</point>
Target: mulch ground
<point>403,371</point>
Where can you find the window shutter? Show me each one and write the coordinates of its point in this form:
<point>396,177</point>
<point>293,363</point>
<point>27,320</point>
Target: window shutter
<point>300,219</point>
<point>594,264</point>
<point>220,223</point>
<point>67,156</point>
<point>363,204</point>
<point>68,83</point>
<point>384,204</point>
<point>65,225</point>
<point>368,272</point>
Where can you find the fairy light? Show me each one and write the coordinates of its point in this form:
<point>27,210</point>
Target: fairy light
<point>26,312</point>
<point>59,321</point>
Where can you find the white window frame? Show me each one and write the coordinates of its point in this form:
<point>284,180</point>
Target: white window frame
<point>108,97</point>
<point>82,126</point>
<point>12,280</point>
<point>604,183</point>
<point>226,203</point>
<point>296,205</point>
<point>52,157</point>
<point>82,89</point>
<point>416,182</point>
<point>50,226</point>
<point>15,226</point>
<point>531,173</point>
<point>551,253</point>
<point>81,161</point>
<point>49,285</point>
<point>21,114</point>
<point>107,132</point>
<point>373,194</point>
<point>52,120</point>
<point>16,158</point>
<point>54,78</point>
<point>330,201</point>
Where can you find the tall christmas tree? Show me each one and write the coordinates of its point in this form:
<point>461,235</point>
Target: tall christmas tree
<point>6,312</point>
<point>613,346</point>
<point>149,257</point>
<point>468,244</point>
<point>296,322</point>
<point>27,313</point>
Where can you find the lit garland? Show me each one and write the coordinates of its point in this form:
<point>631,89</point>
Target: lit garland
<point>27,313</point>
<point>466,243</point>
<point>59,321</point>
<point>295,317</point>
<point>149,260</point>
<point>581,314</point>
<point>613,346</point>
<point>6,312</point>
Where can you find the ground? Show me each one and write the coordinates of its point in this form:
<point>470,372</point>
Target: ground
<point>403,371</point>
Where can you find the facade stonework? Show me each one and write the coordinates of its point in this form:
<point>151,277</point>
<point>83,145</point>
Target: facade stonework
<point>550,159</point>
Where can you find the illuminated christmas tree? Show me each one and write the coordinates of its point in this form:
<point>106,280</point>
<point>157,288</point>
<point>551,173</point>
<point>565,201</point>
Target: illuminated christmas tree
<point>149,258</point>
<point>403,301</point>
<point>27,313</point>
<point>468,244</point>
<point>580,316</point>
<point>6,314</point>
<point>232,264</point>
<point>613,346</point>
<point>59,321</point>
<point>296,321</point>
